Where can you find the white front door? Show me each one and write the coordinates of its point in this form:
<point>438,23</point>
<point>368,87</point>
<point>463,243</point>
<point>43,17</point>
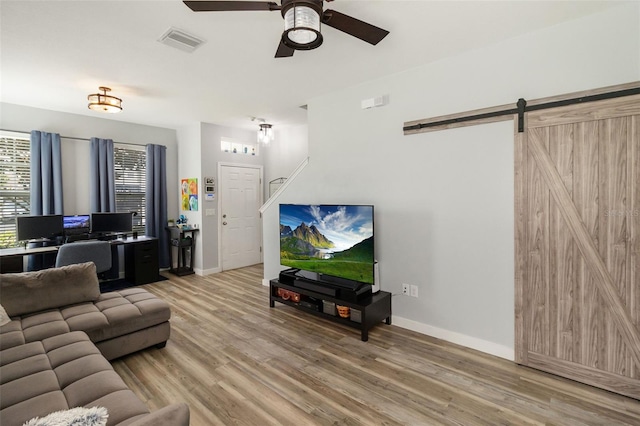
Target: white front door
<point>240,199</point>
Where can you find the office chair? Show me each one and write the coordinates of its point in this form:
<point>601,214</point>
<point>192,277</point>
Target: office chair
<point>98,252</point>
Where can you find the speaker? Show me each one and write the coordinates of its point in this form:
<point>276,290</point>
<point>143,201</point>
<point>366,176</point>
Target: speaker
<point>376,278</point>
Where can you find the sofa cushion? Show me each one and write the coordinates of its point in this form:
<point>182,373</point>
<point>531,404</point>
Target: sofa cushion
<point>29,292</point>
<point>59,373</point>
<point>127,311</point>
<point>111,315</point>
<point>11,335</point>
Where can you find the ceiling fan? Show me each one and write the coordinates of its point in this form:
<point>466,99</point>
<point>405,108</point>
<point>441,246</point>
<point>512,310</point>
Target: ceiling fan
<point>302,20</point>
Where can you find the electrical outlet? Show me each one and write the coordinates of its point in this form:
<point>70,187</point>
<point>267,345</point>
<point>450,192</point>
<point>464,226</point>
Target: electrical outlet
<point>414,291</point>
<point>405,289</point>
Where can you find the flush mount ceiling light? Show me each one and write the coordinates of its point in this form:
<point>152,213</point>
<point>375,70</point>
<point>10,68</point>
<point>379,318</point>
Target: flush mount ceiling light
<point>103,102</point>
<point>265,133</point>
<point>302,24</point>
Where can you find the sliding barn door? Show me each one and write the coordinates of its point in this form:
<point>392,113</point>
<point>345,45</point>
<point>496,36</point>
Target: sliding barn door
<point>578,243</point>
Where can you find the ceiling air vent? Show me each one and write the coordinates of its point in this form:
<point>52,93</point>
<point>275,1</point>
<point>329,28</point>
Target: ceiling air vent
<point>180,40</point>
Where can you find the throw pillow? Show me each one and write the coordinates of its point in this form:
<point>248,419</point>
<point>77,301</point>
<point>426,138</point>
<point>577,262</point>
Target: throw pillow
<point>29,292</point>
<point>4,318</point>
<point>79,416</point>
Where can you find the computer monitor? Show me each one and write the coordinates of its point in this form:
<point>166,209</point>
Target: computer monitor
<point>76,225</point>
<point>79,223</point>
<point>39,227</point>
<point>105,223</point>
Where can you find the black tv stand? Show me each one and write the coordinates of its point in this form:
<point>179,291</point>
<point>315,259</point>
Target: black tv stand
<point>372,309</point>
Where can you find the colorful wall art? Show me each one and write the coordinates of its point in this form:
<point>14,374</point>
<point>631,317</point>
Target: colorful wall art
<point>189,189</point>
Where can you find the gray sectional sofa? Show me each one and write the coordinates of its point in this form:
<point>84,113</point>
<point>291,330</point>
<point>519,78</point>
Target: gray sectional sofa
<point>54,352</point>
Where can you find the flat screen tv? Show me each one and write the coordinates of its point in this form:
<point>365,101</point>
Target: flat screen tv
<point>333,241</point>
<point>105,223</point>
<point>39,227</point>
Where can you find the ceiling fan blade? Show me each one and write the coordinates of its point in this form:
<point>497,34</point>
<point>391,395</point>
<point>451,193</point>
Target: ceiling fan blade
<point>352,26</point>
<point>223,6</point>
<point>284,50</point>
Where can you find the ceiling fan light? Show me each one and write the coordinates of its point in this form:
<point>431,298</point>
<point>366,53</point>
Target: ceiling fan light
<point>302,27</point>
<point>103,102</point>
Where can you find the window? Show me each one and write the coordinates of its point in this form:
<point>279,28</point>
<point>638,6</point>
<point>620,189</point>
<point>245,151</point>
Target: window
<point>130,165</point>
<point>15,177</point>
<point>238,147</point>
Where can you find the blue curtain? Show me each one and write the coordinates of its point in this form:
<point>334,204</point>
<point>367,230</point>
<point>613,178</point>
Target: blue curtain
<point>156,200</point>
<point>46,173</point>
<point>102,190</point>
<point>46,186</point>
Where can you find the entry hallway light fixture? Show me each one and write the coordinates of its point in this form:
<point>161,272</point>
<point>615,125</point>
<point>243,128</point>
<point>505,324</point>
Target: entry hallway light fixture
<point>103,102</point>
<point>265,133</point>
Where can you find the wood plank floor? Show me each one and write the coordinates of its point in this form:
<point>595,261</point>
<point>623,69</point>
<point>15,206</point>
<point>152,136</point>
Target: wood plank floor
<point>236,361</point>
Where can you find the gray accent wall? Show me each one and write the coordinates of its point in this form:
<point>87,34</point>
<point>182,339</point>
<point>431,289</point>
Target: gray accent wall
<point>75,153</point>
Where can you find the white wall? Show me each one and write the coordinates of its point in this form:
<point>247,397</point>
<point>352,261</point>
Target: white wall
<point>75,153</point>
<point>189,166</point>
<point>289,148</point>
<point>444,200</point>
<point>200,156</point>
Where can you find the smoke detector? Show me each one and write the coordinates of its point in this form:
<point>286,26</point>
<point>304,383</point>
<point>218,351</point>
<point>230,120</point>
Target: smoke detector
<point>180,40</point>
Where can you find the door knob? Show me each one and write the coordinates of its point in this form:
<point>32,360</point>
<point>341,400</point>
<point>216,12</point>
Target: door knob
<point>224,223</point>
<point>224,215</point>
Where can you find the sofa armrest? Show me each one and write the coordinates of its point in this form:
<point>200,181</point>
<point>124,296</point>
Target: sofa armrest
<point>171,415</point>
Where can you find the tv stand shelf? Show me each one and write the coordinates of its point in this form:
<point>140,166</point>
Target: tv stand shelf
<point>373,309</point>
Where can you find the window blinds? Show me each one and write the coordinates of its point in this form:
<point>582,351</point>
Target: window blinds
<point>130,165</point>
<point>15,177</point>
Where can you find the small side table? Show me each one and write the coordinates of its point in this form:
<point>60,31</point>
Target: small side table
<point>184,240</point>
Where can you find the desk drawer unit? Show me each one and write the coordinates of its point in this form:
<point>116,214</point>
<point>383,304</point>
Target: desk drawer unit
<point>141,262</point>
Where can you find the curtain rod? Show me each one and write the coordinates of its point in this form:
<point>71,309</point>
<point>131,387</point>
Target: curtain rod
<point>69,137</point>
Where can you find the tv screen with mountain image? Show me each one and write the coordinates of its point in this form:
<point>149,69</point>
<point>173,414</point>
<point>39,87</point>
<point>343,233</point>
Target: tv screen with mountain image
<point>332,240</point>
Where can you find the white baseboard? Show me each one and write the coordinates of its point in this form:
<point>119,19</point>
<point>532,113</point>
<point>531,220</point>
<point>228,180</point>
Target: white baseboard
<point>265,282</point>
<point>203,272</point>
<point>457,338</point>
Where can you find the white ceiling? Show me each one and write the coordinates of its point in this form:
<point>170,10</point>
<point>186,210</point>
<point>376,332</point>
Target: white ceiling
<point>54,53</point>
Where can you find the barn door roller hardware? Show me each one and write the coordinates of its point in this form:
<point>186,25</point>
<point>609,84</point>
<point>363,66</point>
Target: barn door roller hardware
<point>522,108</point>
<point>522,105</point>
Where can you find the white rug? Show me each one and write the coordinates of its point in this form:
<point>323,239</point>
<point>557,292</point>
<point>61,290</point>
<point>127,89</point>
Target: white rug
<point>4,318</point>
<point>79,416</point>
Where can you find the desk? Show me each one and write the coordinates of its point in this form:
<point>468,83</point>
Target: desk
<point>23,251</point>
<point>140,258</point>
